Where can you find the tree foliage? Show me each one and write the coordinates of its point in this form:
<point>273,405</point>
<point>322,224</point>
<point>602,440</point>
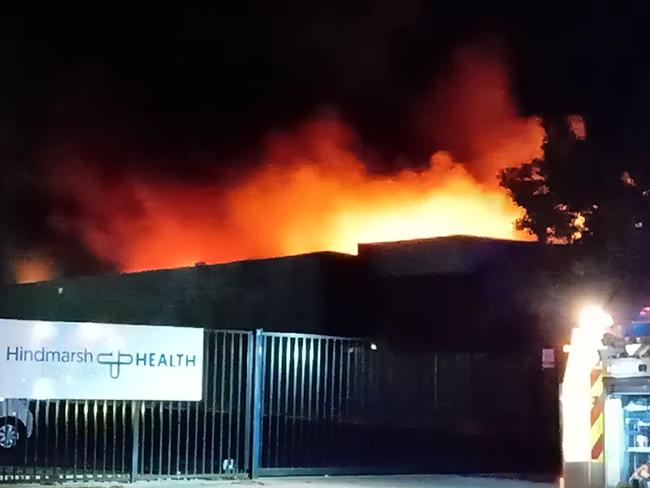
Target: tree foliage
<point>592,195</point>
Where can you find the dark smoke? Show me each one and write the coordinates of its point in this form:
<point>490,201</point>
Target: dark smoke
<point>185,93</point>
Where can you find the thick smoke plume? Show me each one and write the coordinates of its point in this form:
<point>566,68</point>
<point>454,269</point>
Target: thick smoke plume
<point>310,190</point>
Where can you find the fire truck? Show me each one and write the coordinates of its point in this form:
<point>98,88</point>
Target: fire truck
<point>605,403</point>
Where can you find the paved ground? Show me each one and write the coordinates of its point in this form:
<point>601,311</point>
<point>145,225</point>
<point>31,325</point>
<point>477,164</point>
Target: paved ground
<point>399,482</point>
<point>435,481</point>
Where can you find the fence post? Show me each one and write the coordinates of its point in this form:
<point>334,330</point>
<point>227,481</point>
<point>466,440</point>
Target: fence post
<point>258,401</point>
<point>135,427</point>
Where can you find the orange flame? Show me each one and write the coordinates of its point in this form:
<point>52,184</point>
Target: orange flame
<point>312,193</point>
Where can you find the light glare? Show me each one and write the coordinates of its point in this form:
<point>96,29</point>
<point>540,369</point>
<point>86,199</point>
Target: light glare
<point>593,317</point>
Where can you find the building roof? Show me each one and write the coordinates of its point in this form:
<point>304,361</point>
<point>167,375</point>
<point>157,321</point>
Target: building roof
<point>447,291</point>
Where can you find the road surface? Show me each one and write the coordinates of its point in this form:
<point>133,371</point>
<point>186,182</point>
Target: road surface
<point>398,482</point>
<point>434,481</point>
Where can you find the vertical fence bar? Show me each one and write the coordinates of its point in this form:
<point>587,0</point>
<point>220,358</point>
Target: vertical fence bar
<point>284,440</point>
<point>56,436</point>
<point>339,417</point>
<point>160,438</point>
<point>170,417</point>
<point>278,408</point>
<point>15,425</point>
<point>94,475</point>
<point>114,432</point>
<point>324,430</point>
<point>301,420</point>
<point>143,437</point>
<point>269,409</point>
<point>188,408</point>
<point>178,438</point>
<point>310,430</point>
<point>332,396</point>
<point>258,399</point>
<point>152,435</point>
<point>135,450</point>
<point>27,445</point>
<point>222,408</point>
<point>239,401</point>
<point>123,449</point>
<point>204,401</point>
<point>85,459</point>
<point>348,349</point>
<point>367,380</point>
<point>333,381</point>
<point>214,399</point>
<point>230,393</point>
<point>104,436</point>
<point>294,392</point>
<point>65,433</point>
<point>340,392</point>
<point>249,401</point>
<point>317,417</point>
<point>319,347</point>
<point>47,433</point>
<point>195,452</point>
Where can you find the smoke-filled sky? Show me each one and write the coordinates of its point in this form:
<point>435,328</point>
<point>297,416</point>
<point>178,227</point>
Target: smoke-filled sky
<point>226,131</point>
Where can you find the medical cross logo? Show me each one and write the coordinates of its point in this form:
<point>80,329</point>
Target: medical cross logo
<point>147,359</point>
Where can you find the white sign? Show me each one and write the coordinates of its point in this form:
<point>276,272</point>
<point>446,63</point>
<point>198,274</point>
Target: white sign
<point>71,360</point>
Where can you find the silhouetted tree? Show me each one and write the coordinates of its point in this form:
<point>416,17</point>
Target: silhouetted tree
<point>592,197</point>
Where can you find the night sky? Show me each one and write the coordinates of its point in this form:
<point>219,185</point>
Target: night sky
<point>187,91</point>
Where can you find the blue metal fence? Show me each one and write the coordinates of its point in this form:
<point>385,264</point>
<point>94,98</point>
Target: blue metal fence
<point>125,441</point>
<point>310,386</point>
<point>334,405</point>
<point>279,403</point>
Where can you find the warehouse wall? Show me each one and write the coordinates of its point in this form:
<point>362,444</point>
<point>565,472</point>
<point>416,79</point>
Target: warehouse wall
<point>307,293</point>
<point>464,293</point>
<point>455,293</point>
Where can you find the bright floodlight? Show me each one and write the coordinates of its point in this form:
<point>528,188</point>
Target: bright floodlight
<point>593,317</point>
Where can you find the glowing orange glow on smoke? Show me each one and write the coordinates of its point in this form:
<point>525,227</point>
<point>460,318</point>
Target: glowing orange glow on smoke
<point>32,268</point>
<point>330,202</point>
<point>577,126</point>
<point>311,192</point>
<point>470,113</point>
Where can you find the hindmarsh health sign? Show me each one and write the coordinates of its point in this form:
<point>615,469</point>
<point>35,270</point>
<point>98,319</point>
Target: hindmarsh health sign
<point>89,361</point>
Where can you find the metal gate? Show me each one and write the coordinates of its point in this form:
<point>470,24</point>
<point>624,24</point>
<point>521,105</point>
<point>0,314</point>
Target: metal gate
<point>307,393</point>
<point>124,440</point>
<point>279,403</point>
<point>336,405</point>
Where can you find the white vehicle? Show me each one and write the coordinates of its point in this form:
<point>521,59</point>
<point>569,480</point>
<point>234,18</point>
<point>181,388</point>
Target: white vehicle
<point>16,422</point>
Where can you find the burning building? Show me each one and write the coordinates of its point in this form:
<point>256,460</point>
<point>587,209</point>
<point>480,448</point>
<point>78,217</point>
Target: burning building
<point>314,185</point>
<point>452,334</point>
<point>311,191</point>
